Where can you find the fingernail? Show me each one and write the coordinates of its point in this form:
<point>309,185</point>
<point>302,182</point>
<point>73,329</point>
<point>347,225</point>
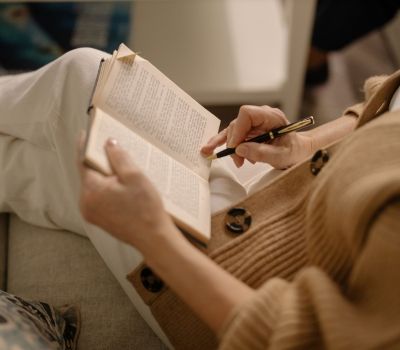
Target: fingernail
<point>242,150</point>
<point>112,142</point>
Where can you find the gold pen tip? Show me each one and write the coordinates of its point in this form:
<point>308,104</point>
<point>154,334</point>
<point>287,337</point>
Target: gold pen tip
<point>212,157</point>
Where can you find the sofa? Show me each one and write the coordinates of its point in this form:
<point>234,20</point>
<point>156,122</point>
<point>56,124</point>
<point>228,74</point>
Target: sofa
<point>60,267</point>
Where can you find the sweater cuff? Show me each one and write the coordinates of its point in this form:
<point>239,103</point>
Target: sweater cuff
<point>250,325</point>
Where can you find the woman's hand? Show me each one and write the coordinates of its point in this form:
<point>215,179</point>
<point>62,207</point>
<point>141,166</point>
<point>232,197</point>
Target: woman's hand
<point>281,153</point>
<point>125,204</point>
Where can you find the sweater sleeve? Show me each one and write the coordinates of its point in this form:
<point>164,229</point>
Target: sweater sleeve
<point>312,311</point>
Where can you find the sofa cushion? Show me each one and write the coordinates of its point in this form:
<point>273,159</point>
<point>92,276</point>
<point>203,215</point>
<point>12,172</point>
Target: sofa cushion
<point>3,249</point>
<point>60,267</point>
<point>34,325</point>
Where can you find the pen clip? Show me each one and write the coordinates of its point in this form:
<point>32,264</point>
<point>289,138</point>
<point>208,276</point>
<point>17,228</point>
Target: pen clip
<point>296,126</point>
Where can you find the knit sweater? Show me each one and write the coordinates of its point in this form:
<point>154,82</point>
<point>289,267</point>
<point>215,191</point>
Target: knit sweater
<point>322,251</point>
<point>347,294</point>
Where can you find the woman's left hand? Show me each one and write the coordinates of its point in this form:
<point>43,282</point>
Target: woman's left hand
<point>125,204</point>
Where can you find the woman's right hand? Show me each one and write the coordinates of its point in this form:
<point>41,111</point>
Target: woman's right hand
<point>281,153</point>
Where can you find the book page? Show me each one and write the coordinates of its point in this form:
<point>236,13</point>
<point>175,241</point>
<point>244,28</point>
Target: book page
<point>145,100</point>
<point>229,184</point>
<point>185,194</point>
<point>250,177</point>
<point>248,174</point>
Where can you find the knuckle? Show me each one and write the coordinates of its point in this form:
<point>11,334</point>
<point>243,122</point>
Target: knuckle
<point>267,109</point>
<point>277,110</point>
<point>244,109</point>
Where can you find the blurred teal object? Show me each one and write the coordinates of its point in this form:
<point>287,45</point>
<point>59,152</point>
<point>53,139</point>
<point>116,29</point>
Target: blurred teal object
<point>34,34</point>
<point>23,44</point>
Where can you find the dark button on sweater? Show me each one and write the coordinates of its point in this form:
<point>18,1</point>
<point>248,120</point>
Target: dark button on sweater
<point>237,220</point>
<point>151,281</point>
<point>318,161</point>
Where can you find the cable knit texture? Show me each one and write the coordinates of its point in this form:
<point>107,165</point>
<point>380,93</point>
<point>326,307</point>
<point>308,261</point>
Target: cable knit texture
<point>322,252</point>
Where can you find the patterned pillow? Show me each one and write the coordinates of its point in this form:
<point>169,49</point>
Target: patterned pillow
<point>33,325</point>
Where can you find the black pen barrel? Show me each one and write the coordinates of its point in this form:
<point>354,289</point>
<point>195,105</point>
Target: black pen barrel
<point>272,134</point>
<point>226,152</point>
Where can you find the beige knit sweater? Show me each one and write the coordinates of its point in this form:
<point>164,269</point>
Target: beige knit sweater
<point>347,296</point>
<point>322,252</point>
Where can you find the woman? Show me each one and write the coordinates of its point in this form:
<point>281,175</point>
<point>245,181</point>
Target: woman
<point>316,266</point>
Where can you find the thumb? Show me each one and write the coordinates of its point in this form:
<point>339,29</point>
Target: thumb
<point>120,161</point>
<point>261,152</point>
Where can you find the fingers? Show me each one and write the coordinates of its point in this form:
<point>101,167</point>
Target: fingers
<point>239,161</point>
<point>252,119</point>
<point>278,157</point>
<point>214,142</point>
<point>249,117</point>
<point>90,179</point>
<point>120,160</point>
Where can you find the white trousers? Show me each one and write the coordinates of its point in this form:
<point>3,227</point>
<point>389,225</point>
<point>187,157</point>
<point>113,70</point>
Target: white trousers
<point>41,115</point>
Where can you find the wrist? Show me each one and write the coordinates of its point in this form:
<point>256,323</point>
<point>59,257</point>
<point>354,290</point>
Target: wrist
<point>170,258</point>
<point>306,145</point>
<point>156,240</point>
<point>325,134</point>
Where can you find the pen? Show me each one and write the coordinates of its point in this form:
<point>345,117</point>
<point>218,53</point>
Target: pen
<point>270,135</point>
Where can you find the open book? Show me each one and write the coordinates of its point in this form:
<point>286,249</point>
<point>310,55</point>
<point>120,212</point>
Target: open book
<point>162,128</point>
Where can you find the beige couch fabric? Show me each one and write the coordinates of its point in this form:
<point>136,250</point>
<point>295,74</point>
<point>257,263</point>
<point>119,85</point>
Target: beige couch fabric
<point>60,267</point>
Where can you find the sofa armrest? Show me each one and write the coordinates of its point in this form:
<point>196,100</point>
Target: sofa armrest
<point>3,249</point>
